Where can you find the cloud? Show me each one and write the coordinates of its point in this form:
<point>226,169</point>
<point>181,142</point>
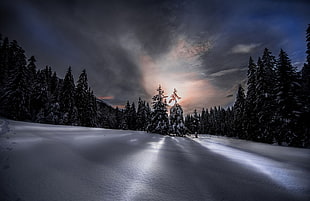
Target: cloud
<point>244,48</point>
<point>129,47</point>
<point>188,49</point>
<point>225,72</point>
<point>106,97</point>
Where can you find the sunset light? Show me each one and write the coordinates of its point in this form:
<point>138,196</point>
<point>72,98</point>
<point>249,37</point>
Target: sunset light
<point>180,68</point>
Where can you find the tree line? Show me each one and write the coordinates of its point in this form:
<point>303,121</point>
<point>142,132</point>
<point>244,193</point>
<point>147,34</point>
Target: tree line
<point>275,107</point>
<point>39,95</point>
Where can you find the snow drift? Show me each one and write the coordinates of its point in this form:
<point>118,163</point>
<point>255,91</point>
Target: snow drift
<point>52,163</point>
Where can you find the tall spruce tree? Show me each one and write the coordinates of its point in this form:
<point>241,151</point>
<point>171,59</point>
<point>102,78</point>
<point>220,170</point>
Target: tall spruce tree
<point>228,123</point>
<point>159,118</point>
<point>90,112</point>
<point>203,121</point>
<point>305,73</point>
<point>148,112</point>
<point>82,98</point>
<point>55,87</point>
<point>53,114</point>
<point>195,122</point>
<point>4,63</point>
<point>265,97</point>
<point>250,114</point>
<point>32,68</point>
<point>67,100</point>
<point>40,97</point>
<point>288,104</point>
<point>15,99</point>
<point>141,115</point>
<point>238,109</point>
<point>133,117</point>
<point>305,95</point>
<point>188,122</point>
<point>126,116</point>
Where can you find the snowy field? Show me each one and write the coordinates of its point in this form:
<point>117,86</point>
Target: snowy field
<point>61,163</point>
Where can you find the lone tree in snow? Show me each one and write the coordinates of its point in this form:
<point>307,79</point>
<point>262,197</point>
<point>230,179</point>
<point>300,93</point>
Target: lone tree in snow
<point>159,118</point>
<point>176,116</point>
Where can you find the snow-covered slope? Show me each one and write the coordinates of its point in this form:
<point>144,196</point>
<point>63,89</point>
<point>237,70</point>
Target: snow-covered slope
<point>61,163</point>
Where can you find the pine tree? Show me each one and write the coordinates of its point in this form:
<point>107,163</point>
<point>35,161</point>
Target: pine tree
<point>211,121</point>
<point>203,121</point>
<point>15,99</point>
<point>250,114</point>
<point>229,123</point>
<point>265,97</point>
<point>55,87</point>
<point>14,58</point>
<point>288,109</point>
<point>141,115</point>
<point>216,121</point>
<point>90,118</point>
<point>238,109</point>
<point>195,122</point>
<point>67,100</point>
<point>118,118</point>
<point>82,98</point>
<point>32,69</point>
<point>305,93</point>
<point>305,73</point>
<point>53,114</point>
<point>159,117</point>
<point>133,117</point>
<point>177,121</point>
<point>187,122</point>
<point>126,116</point>
<point>39,97</point>
<point>148,113</point>
<point>4,63</point>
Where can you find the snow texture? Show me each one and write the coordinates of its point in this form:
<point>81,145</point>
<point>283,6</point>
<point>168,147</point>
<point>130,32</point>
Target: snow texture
<point>52,163</point>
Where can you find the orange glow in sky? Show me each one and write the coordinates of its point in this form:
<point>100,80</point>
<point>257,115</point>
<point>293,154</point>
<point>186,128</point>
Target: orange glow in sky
<point>181,68</point>
<point>106,97</point>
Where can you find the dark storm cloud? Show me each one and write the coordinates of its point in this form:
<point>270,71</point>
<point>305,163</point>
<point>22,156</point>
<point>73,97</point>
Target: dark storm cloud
<point>86,34</point>
<point>260,24</point>
<point>103,36</point>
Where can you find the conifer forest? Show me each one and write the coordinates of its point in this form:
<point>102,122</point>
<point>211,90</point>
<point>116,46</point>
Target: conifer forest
<point>273,106</point>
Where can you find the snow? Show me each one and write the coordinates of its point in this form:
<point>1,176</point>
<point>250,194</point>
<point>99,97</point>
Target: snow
<point>49,163</point>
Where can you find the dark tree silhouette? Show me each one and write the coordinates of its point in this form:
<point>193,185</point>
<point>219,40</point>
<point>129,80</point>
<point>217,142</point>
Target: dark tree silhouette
<point>159,117</point>
<point>82,98</point>
<point>67,100</point>
<point>250,113</point>
<point>238,109</point>
<point>15,98</point>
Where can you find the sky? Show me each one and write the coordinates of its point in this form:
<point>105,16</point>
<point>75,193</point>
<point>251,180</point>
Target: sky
<point>129,47</point>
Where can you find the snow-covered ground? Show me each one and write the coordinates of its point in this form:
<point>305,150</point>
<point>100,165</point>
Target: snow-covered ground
<point>61,163</point>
